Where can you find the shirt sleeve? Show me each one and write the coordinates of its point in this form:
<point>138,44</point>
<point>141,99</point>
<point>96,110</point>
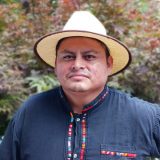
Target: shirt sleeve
<point>10,146</point>
<point>156,134</point>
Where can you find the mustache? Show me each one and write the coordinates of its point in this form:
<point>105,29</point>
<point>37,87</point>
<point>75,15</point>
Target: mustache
<point>72,74</point>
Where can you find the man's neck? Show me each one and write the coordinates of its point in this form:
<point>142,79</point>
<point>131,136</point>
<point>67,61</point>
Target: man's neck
<point>78,100</point>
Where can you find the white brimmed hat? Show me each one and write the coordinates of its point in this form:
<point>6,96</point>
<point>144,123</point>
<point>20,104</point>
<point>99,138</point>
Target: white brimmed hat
<point>83,24</point>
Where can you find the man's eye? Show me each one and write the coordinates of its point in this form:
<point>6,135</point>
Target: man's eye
<point>68,57</point>
<point>90,57</point>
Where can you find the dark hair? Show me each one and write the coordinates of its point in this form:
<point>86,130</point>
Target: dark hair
<point>103,45</point>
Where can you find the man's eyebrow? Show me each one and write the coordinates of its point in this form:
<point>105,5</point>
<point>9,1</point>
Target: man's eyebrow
<point>90,51</point>
<point>66,51</point>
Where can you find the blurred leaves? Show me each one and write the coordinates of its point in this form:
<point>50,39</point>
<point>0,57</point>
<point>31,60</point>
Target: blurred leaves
<point>41,83</point>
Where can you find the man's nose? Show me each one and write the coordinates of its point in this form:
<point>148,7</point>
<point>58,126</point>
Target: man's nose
<point>78,63</point>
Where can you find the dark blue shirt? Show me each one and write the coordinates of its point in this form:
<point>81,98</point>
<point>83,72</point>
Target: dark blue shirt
<point>118,127</point>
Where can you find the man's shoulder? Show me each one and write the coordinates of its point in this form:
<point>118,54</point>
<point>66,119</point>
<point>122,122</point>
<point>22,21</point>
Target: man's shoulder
<point>44,96</point>
<point>137,109</point>
<point>132,101</point>
<point>41,100</point>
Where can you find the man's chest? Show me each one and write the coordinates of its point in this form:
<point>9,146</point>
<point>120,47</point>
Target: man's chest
<point>81,138</point>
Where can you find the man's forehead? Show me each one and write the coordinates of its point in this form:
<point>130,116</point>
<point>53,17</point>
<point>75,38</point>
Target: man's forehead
<point>80,40</point>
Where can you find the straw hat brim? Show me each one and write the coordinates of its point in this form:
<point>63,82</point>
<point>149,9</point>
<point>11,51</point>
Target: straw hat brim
<point>45,47</point>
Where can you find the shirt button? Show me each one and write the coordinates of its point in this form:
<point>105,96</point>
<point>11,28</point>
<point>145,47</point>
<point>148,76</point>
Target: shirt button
<point>78,119</point>
<point>75,155</point>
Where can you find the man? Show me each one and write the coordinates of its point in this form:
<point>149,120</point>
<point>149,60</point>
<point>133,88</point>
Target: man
<point>83,119</point>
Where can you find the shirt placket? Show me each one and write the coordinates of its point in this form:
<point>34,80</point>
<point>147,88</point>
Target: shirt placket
<point>77,137</point>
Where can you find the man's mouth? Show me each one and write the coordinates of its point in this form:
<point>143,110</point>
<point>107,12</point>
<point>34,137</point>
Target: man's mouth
<point>77,76</point>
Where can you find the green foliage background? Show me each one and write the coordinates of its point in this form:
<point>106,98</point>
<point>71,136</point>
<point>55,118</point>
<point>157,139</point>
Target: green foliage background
<point>136,23</point>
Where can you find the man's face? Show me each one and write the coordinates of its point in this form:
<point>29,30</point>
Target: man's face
<point>81,65</point>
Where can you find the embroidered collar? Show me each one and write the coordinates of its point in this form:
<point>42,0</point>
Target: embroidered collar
<point>94,104</point>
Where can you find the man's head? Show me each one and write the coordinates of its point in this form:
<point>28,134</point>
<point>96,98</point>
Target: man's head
<point>83,24</point>
<point>82,64</point>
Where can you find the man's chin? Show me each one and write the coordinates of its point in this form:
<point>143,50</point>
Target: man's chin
<point>78,88</point>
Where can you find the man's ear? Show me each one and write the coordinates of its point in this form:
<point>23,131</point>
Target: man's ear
<point>109,65</point>
<point>110,61</point>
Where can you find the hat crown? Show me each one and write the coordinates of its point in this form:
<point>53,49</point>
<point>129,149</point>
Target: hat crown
<point>84,21</point>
